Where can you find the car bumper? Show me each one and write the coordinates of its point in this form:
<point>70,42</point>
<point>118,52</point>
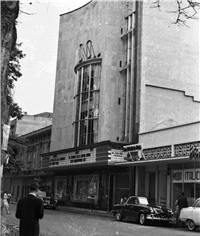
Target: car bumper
<point>157,217</point>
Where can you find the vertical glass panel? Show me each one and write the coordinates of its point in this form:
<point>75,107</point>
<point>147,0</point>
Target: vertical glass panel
<point>90,132</point>
<point>85,79</point>
<point>83,129</point>
<point>79,82</point>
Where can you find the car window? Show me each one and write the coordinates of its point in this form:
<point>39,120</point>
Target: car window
<point>143,200</point>
<point>131,200</point>
<point>196,203</point>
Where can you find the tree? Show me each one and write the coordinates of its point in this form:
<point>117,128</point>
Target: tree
<point>13,73</point>
<point>9,11</point>
<point>16,146</point>
<point>185,10</point>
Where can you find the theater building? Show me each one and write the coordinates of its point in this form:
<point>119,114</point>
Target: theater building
<point>126,106</point>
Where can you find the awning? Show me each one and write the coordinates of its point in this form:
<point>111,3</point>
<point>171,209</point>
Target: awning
<point>157,161</point>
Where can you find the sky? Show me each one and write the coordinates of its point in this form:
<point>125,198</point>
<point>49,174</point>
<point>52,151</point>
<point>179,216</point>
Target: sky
<point>37,30</point>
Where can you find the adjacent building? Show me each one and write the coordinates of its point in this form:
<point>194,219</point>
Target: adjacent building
<point>29,123</point>
<point>18,183</point>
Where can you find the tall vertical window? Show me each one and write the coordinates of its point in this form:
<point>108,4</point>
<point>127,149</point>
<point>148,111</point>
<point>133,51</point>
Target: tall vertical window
<point>87,94</point>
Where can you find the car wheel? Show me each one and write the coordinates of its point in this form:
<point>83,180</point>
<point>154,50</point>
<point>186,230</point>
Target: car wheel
<point>191,225</point>
<point>118,216</point>
<point>142,219</point>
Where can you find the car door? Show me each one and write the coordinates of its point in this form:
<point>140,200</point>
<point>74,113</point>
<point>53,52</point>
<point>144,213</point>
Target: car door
<point>196,213</point>
<point>131,208</point>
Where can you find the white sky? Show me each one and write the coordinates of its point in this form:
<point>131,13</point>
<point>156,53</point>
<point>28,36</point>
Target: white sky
<point>34,91</point>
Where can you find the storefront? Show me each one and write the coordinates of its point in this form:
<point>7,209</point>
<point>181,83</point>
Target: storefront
<point>82,172</point>
<point>187,181</point>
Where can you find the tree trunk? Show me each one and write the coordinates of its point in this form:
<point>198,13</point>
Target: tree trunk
<point>9,10</point>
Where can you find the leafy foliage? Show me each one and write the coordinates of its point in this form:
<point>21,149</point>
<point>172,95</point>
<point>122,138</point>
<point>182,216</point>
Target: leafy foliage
<point>16,146</point>
<point>13,73</point>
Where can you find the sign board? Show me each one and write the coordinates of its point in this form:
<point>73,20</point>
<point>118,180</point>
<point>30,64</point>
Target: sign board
<point>131,152</point>
<point>186,176</point>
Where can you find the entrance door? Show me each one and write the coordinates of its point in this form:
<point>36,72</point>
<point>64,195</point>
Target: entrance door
<point>152,185</point>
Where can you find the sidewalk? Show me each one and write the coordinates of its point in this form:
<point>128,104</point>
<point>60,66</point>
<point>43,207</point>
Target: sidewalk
<point>86,211</point>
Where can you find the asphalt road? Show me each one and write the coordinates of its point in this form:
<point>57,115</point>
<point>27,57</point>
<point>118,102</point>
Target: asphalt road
<point>64,223</point>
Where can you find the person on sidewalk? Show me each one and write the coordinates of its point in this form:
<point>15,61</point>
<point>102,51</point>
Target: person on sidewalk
<point>5,203</point>
<point>182,203</point>
<point>176,210</point>
<point>29,210</point>
<point>91,199</point>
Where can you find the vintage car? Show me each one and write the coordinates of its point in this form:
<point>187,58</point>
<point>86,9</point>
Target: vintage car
<point>48,200</point>
<point>142,210</point>
<point>191,215</point>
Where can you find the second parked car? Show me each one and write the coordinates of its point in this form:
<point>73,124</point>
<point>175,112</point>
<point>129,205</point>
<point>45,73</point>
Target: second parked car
<point>142,210</point>
<point>191,215</point>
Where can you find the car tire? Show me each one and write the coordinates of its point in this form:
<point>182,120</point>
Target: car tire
<point>191,225</point>
<point>142,219</point>
<point>118,216</point>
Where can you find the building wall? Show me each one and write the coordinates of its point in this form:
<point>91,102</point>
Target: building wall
<point>101,23</point>
<point>170,69</point>
<point>29,123</point>
<point>170,136</point>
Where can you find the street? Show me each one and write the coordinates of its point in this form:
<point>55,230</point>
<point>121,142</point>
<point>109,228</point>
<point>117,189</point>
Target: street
<point>63,223</point>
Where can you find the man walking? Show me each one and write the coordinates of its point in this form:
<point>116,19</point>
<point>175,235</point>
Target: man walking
<point>29,210</point>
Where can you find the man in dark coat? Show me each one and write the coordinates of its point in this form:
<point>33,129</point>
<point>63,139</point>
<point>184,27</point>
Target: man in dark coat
<point>29,210</point>
<point>182,203</point>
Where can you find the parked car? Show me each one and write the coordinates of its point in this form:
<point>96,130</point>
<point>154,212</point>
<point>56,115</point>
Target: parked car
<point>142,210</point>
<point>48,199</point>
<point>191,215</point>
<point>50,202</point>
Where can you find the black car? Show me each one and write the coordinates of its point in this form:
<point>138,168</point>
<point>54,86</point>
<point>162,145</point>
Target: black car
<point>50,202</point>
<point>142,209</point>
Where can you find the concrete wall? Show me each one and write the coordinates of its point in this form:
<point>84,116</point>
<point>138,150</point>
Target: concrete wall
<point>29,123</point>
<point>170,136</point>
<point>170,59</point>
<point>100,22</point>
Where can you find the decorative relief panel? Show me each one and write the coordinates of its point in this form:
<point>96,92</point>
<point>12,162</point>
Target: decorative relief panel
<point>185,149</point>
<point>157,153</point>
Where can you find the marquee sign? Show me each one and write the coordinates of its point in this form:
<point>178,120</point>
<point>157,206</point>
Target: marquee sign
<point>131,152</point>
<point>186,176</point>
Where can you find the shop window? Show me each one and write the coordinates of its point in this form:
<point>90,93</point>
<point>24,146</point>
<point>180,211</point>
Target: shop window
<point>85,185</point>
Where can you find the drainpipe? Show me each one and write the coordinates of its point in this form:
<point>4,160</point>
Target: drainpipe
<point>137,71</point>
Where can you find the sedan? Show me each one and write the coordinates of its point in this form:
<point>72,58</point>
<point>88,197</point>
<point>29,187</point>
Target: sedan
<point>191,215</point>
<point>142,210</point>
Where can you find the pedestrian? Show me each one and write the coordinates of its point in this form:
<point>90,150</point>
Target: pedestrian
<point>91,199</point>
<point>182,203</point>
<point>29,210</point>
<point>5,203</point>
<point>176,210</point>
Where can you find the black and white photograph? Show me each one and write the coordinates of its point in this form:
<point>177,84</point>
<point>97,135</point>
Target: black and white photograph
<point>100,118</point>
